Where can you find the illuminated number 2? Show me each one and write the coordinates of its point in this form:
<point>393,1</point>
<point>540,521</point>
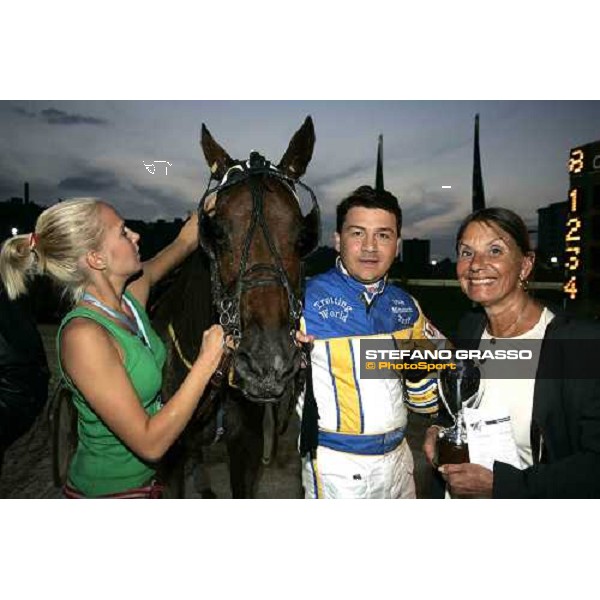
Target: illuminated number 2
<point>570,288</point>
<point>575,163</point>
<point>573,226</point>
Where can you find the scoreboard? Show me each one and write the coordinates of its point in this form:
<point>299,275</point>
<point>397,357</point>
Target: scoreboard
<point>582,230</point>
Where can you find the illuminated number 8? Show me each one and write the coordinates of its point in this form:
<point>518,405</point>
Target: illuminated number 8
<point>575,163</point>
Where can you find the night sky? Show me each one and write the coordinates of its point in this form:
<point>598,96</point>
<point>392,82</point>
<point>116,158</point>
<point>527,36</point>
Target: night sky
<point>98,148</point>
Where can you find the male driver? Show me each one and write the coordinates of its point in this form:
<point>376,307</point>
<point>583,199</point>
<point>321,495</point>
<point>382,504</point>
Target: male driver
<point>361,450</point>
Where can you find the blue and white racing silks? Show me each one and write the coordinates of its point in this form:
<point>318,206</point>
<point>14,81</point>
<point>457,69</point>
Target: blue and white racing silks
<point>362,421</point>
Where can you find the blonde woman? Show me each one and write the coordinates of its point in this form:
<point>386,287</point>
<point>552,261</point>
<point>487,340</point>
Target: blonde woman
<point>109,354</point>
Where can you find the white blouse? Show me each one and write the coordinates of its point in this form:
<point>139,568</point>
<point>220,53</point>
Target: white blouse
<point>514,395</point>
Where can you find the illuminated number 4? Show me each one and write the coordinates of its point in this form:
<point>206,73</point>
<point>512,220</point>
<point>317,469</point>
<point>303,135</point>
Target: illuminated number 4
<point>570,288</point>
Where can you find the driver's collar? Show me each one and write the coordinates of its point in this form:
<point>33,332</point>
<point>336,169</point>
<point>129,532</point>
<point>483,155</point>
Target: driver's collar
<point>369,291</point>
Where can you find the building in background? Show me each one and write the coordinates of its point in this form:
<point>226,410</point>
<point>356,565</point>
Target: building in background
<point>550,249</point>
<point>18,215</point>
<point>415,257</point>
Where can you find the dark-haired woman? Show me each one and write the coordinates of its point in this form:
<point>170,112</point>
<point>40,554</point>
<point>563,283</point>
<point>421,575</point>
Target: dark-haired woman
<point>555,414</point>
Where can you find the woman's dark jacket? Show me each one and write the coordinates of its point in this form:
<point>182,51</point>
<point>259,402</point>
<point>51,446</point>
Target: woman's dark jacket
<point>565,427</point>
<point>24,371</point>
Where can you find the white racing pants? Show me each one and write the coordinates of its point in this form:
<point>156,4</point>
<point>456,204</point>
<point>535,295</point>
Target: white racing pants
<point>336,474</point>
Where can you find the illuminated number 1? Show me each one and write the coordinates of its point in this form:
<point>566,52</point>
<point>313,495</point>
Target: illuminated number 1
<point>573,196</point>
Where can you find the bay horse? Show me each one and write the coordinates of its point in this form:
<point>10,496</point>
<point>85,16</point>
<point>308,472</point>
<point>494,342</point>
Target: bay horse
<point>247,275</point>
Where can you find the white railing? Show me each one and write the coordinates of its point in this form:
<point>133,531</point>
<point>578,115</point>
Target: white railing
<point>533,285</point>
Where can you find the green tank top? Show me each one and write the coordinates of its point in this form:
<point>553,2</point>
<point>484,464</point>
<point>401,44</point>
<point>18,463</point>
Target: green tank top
<point>102,464</point>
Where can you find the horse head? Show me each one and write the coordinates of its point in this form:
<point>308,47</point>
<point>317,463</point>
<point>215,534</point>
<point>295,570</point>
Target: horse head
<point>253,230</point>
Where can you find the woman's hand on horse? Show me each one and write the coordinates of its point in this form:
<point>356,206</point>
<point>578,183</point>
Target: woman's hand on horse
<point>189,232</point>
<point>212,347</point>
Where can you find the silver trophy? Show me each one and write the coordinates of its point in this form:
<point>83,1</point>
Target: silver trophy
<point>459,388</point>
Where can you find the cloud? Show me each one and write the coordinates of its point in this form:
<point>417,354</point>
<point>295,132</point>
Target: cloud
<point>428,213</point>
<point>337,177</point>
<point>23,112</point>
<point>92,180</point>
<point>54,116</point>
<point>165,202</point>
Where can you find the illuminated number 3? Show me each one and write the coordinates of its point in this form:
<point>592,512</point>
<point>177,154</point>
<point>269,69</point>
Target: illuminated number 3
<point>572,261</point>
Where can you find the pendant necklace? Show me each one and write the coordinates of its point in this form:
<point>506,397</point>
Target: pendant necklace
<point>122,318</point>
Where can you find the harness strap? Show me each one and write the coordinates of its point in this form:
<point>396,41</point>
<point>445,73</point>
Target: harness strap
<point>269,433</point>
<point>220,431</point>
<point>309,428</point>
<point>215,381</point>
<point>175,341</point>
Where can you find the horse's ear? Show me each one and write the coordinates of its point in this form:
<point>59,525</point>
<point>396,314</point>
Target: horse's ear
<point>218,160</point>
<point>299,152</point>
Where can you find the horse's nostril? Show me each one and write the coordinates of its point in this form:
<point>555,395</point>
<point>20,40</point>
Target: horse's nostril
<point>265,374</point>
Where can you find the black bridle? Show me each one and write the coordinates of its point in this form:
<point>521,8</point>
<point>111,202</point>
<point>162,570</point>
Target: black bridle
<point>228,301</point>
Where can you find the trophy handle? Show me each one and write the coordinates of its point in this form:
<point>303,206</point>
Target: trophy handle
<point>445,403</point>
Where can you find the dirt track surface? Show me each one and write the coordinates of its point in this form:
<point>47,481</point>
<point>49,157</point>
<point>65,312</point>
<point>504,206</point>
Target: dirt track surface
<point>27,470</point>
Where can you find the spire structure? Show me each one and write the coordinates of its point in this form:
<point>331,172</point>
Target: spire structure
<point>379,171</point>
<point>478,193</point>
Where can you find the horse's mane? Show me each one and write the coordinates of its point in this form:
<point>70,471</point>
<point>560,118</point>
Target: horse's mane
<point>186,304</point>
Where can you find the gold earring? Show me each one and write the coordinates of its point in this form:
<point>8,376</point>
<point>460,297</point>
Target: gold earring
<point>524,284</point>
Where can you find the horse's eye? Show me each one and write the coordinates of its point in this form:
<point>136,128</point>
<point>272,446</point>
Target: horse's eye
<point>218,231</point>
<point>212,233</point>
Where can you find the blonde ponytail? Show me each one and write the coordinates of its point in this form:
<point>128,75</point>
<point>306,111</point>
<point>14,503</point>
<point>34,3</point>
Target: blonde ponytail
<point>17,264</point>
<point>64,233</point>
